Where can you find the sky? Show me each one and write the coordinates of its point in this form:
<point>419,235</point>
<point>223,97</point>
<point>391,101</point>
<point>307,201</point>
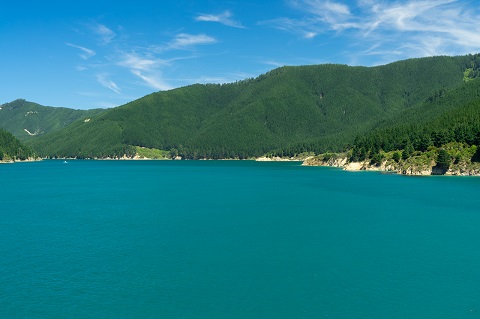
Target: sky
<point>99,54</point>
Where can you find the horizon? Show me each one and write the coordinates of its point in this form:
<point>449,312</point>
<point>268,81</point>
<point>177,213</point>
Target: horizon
<point>93,55</point>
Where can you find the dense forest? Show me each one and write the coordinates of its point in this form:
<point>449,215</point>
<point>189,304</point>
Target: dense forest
<point>286,111</point>
<point>447,119</point>
<point>27,120</point>
<point>12,149</point>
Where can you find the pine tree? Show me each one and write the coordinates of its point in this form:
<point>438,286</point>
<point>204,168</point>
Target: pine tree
<point>443,159</point>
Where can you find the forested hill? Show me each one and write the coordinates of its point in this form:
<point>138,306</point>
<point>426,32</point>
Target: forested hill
<point>450,120</point>
<point>288,110</point>
<point>12,149</point>
<point>26,120</point>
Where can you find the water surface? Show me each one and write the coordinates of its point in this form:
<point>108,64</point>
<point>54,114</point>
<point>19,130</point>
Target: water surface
<point>235,239</point>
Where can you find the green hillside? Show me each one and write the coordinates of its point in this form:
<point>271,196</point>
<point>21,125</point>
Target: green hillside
<point>26,120</point>
<point>12,149</point>
<point>451,117</point>
<point>287,110</point>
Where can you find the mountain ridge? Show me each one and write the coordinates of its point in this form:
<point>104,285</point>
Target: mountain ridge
<point>289,109</point>
<point>26,119</point>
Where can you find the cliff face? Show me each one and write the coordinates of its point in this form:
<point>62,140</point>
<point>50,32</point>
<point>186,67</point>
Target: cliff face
<point>321,161</point>
<point>404,168</point>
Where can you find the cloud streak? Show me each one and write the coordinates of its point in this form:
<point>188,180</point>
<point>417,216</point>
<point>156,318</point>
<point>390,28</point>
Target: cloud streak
<point>186,41</point>
<point>136,62</point>
<point>86,53</point>
<point>144,63</point>
<point>403,28</point>
<point>109,84</point>
<point>145,68</point>
<point>223,18</point>
<point>152,80</point>
<point>105,34</point>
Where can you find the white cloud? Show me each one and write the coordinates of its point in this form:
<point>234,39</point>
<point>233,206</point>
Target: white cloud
<point>185,40</point>
<point>109,84</point>
<point>152,80</point>
<point>323,8</point>
<point>428,27</point>
<point>409,16</point>
<point>305,28</point>
<point>86,53</point>
<point>223,18</point>
<point>136,62</point>
<point>146,64</point>
<point>146,68</point>
<point>106,35</point>
<point>405,28</point>
<point>336,15</point>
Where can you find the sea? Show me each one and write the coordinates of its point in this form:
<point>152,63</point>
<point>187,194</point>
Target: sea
<point>235,239</point>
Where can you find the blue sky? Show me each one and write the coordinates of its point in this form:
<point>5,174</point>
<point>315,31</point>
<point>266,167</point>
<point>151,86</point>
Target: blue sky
<point>87,54</point>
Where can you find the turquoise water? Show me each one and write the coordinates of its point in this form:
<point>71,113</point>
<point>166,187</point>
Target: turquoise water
<point>235,239</point>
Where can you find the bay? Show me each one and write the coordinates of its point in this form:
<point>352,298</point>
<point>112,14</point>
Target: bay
<point>235,239</point>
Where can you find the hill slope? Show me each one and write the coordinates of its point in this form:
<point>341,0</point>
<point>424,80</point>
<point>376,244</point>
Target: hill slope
<point>26,120</point>
<point>12,149</point>
<point>452,118</point>
<point>290,109</point>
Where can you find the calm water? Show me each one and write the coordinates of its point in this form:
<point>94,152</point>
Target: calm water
<point>230,239</point>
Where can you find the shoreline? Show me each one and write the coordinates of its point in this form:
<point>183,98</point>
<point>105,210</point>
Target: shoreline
<point>394,168</point>
<point>28,160</point>
<point>339,162</point>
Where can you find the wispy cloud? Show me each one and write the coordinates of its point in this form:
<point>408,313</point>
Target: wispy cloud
<point>145,68</point>
<point>337,15</point>
<point>146,64</point>
<point>305,28</point>
<point>106,35</point>
<point>135,61</point>
<point>411,28</point>
<point>321,17</point>
<point>85,54</point>
<point>152,80</point>
<point>223,18</point>
<point>102,78</point>
<point>185,40</point>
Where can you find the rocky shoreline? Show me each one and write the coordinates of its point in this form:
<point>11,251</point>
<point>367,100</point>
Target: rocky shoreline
<point>338,161</point>
<point>11,161</point>
<point>404,168</point>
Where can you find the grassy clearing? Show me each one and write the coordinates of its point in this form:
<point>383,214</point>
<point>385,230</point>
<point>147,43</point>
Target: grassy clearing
<point>152,153</point>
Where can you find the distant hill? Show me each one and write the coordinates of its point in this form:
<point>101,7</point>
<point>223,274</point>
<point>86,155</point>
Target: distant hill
<point>285,111</point>
<point>450,117</point>
<point>441,136</point>
<point>26,120</point>
<point>12,149</point>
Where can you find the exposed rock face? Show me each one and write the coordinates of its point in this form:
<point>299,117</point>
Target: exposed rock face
<point>333,162</point>
<point>273,159</point>
<point>391,166</point>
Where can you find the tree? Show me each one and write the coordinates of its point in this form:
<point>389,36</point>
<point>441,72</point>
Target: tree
<point>377,159</point>
<point>396,157</point>
<point>173,153</point>
<point>443,159</point>
<point>407,152</point>
<point>425,142</point>
<point>476,156</point>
